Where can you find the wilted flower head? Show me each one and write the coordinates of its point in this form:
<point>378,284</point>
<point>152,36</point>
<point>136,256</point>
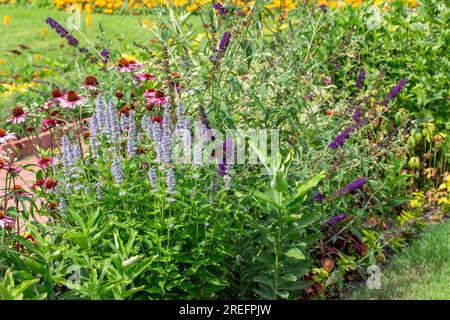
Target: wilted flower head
<point>90,82</point>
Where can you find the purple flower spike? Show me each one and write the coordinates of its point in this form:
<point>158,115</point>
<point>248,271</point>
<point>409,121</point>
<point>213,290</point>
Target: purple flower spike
<point>319,197</point>
<point>218,6</point>
<point>357,115</point>
<point>361,78</point>
<point>59,29</point>
<point>395,91</point>
<point>352,186</point>
<point>336,219</point>
<point>341,138</point>
<point>224,42</point>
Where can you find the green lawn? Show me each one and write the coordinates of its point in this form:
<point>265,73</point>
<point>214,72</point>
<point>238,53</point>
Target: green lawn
<point>421,271</point>
<point>26,28</point>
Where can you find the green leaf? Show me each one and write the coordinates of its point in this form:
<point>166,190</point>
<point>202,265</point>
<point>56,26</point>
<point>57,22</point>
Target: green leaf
<point>295,253</point>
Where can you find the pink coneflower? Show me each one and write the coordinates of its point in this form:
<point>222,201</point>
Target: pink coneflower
<point>90,82</point>
<point>47,105</point>
<point>18,115</point>
<point>71,99</point>
<point>17,191</point>
<point>5,136</point>
<point>9,167</point>
<point>57,93</point>
<point>145,76</point>
<point>48,124</point>
<point>44,162</point>
<point>5,221</point>
<point>38,183</point>
<point>154,97</point>
<point>125,65</point>
<point>50,184</point>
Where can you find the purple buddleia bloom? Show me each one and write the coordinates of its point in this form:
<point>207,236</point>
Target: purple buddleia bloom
<point>361,78</point>
<point>105,55</point>
<point>395,91</point>
<point>319,197</point>
<point>352,186</point>
<point>335,219</point>
<point>71,40</point>
<point>337,66</point>
<point>153,178</point>
<point>357,115</point>
<point>224,42</point>
<point>225,163</point>
<point>116,171</point>
<point>218,6</point>
<point>203,117</point>
<point>341,138</point>
<point>59,29</point>
<point>170,181</point>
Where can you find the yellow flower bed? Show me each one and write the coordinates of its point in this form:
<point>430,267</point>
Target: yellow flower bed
<point>110,6</point>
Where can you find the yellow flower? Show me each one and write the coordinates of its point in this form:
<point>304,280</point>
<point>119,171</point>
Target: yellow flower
<point>7,21</point>
<point>128,56</point>
<point>88,20</point>
<point>37,57</point>
<point>145,23</point>
<point>12,88</point>
<point>44,32</point>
